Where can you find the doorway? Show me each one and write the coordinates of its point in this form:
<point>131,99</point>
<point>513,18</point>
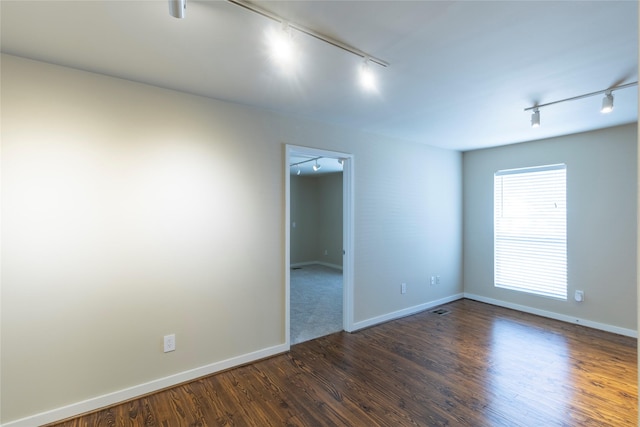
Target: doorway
<point>314,254</point>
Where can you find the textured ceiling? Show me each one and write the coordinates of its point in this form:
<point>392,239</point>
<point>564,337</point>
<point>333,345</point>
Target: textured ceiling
<point>460,75</point>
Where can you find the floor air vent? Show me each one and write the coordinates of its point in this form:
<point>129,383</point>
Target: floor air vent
<point>441,311</point>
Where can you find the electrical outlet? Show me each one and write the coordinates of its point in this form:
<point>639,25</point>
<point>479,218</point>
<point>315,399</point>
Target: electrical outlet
<point>403,288</point>
<point>433,280</point>
<point>437,280</point>
<point>169,343</point>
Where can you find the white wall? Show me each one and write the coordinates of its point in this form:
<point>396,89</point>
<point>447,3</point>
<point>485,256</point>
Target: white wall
<point>601,223</point>
<point>130,212</point>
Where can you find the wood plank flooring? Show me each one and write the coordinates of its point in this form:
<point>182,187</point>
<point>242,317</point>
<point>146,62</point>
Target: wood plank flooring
<point>479,365</point>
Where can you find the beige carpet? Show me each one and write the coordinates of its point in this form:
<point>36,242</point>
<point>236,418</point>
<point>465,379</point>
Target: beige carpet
<point>316,302</point>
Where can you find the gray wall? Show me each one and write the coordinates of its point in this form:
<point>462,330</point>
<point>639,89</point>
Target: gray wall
<point>316,209</point>
<point>130,212</point>
<point>304,212</point>
<point>601,222</point>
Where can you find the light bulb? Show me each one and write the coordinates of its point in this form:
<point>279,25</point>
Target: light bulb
<point>282,48</point>
<point>367,78</point>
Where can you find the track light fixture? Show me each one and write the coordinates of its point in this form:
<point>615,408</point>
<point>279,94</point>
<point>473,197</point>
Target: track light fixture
<point>308,31</point>
<point>607,102</point>
<point>316,166</point>
<point>535,118</point>
<point>177,8</point>
<point>283,48</point>
<point>367,78</point>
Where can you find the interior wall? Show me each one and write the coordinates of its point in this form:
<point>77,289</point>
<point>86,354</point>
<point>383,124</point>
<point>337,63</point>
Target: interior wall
<point>601,222</point>
<point>329,248</point>
<point>304,213</point>
<point>130,212</point>
<point>316,205</point>
<point>408,226</point>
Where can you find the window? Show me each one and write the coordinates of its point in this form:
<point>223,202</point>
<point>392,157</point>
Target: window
<point>530,230</point>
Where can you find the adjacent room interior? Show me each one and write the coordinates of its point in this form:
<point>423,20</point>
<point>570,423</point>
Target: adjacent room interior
<point>316,246</point>
<point>156,232</point>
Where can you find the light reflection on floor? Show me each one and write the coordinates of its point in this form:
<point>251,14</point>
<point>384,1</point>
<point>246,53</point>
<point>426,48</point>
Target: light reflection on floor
<point>526,365</point>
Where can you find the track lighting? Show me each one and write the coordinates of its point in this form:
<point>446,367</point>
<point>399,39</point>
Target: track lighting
<point>282,47</point>
<point>316,167</point>
<point>308,31</point>
<point>535,118</point>
<point>367,78</point>
<point>177,8</point>
<point>607,102</point>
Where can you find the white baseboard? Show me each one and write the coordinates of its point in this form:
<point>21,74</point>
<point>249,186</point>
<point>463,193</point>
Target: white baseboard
<point>557,316</point>
<point>404,312</point>
<point>326,264</point>
<point>142,389</point>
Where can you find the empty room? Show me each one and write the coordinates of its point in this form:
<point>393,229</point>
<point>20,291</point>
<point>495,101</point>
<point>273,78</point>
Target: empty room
<point>318,213</point>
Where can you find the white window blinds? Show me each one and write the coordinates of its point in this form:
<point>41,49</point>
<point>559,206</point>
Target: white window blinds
<point>530,230</point>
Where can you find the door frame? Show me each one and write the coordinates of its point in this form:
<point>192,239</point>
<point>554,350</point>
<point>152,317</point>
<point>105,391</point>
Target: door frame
<point>347,233</point>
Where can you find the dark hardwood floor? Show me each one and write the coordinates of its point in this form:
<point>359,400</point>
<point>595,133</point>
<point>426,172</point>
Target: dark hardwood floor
<point>479,365</point>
